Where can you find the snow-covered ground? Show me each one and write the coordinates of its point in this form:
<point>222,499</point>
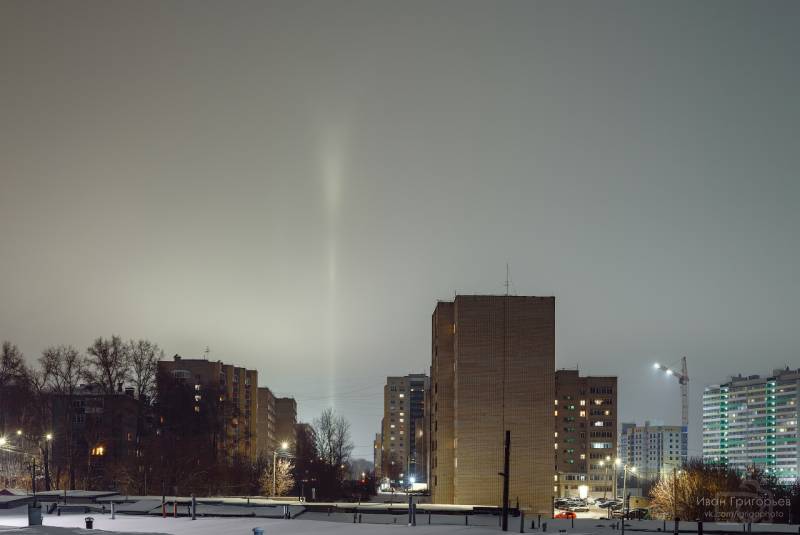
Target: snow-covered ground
<point>13,522</point>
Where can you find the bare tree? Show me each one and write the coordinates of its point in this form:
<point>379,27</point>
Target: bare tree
<point>107,364</point>
<point>689,493</point>
<point>334,446</point>
<point>12,371</point>
<point>284,480</point>
<point>40,423</point>
<point>143,358</point>
<point>64,368</point>
<point>332,437</point>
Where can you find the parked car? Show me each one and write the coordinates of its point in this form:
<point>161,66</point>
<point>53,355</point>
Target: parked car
<point>633,514</point>
<point>565,514</point>
<point>579,509</point>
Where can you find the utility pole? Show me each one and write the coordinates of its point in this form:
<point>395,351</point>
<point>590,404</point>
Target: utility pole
<point>505,474</point>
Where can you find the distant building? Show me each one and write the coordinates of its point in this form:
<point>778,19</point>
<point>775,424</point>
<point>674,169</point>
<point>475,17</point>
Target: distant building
<point>267,431</point>
<point>237,391</point>
<point>492,370</point>
<point>285,421</point>
<point>752,421</point>
<point>654,450</point>
<point>102,430</point>
<point>585,434</point>
<point>403,413</point>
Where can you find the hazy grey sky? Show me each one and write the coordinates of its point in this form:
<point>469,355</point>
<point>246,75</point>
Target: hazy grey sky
<point>294,184</point>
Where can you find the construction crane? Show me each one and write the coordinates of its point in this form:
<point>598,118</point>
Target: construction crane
<point>683,380</point>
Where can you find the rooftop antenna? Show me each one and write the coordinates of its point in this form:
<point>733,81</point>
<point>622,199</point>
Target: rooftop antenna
<point>206,352</point>
<point>508,277</point>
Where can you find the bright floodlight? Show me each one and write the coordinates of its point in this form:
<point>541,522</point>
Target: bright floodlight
<point>2,441</point>
<point>412,480</point>
<point>284,445</point>
<point>617,461</point>
<point>633,469</point>
<point>19,432</point>
<point>49,436</point>
<point>669,372</point>
<point>656,365</point>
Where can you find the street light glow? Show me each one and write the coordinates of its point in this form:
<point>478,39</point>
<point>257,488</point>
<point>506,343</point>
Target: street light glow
<point>656,365</point>
<point>284,445</point>
<point>49,436</point>
<point>617,461</point>
<point>19,432</point>
<point>2,441</point>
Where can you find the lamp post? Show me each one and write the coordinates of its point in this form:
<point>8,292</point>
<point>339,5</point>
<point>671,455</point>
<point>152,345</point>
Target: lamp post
<point>48,441</point>
<point>604,465</point>
<point>284,447</point>
<point>625,501</point>
<point>25,451</point>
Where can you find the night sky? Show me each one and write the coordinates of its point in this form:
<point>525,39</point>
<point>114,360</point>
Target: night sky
<point>295,184</point>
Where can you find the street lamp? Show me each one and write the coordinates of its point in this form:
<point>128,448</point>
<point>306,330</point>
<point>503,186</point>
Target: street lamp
<point>625,501</point>
<point>284,447</point>
<point>604,465</point>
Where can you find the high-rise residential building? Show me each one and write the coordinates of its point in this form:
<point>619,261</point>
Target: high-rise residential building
<point>585,434</point>
<point>237,390</point>
<point>403,414</point>
<point>752,421</point>
<point>286,421</point>
<point>492,370</point>
<point>377,455</point>
<point>654,450</point>
<point>267,441</point>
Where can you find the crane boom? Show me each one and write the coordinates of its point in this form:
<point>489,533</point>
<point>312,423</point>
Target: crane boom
<point>683,379</point>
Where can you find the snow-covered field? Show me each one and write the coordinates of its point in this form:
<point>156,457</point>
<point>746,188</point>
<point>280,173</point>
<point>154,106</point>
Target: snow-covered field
<point>14,522</point>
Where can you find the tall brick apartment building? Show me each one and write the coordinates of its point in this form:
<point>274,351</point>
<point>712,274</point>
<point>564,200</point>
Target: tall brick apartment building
<point>493,365</point>
<point>267,423</point>
<point>585,434</point>
<point>238,390</point>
